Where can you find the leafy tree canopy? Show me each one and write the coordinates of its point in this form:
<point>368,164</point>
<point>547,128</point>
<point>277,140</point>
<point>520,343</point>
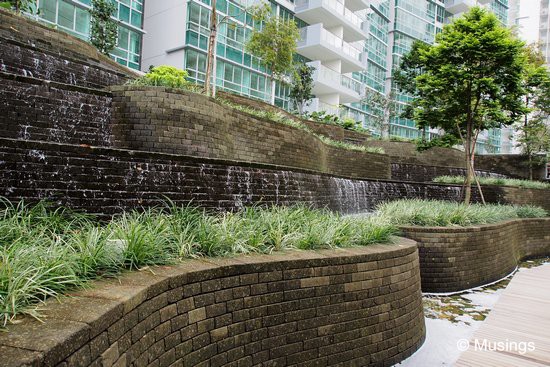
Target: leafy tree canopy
<point>470,80</point>
<point>534,131</point>
<point>302,86</point>
<point>275,41</point>
<point>104,29</point>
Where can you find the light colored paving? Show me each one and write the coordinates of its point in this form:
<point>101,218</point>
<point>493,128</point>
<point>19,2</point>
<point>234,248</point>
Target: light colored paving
<point>517,331</point>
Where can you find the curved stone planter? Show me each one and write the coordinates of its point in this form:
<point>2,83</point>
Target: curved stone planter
<point>457,258</point>
<point>359,306</point>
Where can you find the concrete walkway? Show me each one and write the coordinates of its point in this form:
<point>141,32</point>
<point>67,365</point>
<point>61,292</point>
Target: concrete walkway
<point>517,331</point>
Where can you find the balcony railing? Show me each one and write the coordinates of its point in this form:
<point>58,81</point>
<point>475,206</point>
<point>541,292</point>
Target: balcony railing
<point>331,77</point>
<point>333,6</point>
<point>316,43</point>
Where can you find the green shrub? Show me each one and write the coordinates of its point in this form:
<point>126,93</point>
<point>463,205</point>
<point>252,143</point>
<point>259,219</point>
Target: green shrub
<point>347,123</point>
<point>444,141</point>
<point>164,76</point>
<point>526,184</point>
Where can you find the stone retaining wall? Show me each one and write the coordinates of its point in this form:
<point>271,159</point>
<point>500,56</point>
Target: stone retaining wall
<point>34,109</point>
<point>455,259</point>
<point>426,173</point>
<point>357,307</point>
<point>331,131</point>
<point>108,181</point>
<point>30,48</point>
<point>179,122</point>
<point>404,154</point>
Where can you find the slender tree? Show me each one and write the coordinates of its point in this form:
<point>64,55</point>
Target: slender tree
<point>212,38</point>
<point>302,85</point>
<point>470,80</point>
<point>274,43</point>
<point>533,131</point>
<point>104,30</point>
<point>383,108</point>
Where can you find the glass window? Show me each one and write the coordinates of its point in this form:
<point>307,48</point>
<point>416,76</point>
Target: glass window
<point>135,42</point>
<point>82,21</point>
<point>47,9</point>
<point>123,38</point>
<point>136,19</point>
<point>66,15</point>
<point>124,13</point>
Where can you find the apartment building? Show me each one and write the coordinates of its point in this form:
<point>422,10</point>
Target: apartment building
<point>353,45</point>
<point>544,29</point>
<point>73,17</point>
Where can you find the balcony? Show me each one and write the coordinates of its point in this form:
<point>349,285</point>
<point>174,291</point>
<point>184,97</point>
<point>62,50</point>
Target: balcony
<point>328,81</point>
<point>317,105</point>
<point>355,5</point>
<point>332,13</point>
<point>459,6</point>
<point>317,43</point>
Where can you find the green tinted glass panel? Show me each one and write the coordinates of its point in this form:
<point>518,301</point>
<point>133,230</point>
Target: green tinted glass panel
<point>203,41</point>
<point>135,42</point>
<point>123,38</point>
<point>136,19</point>
<point>192,38</point>
<point>82,21</point>
<point>124,13</point>
<point>47,9</point>
<point>66,15</point>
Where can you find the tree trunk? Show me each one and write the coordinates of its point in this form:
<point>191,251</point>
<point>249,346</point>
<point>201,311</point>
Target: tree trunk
<point>211,46</point>
<point>528,149</point>
<point>300,107</point>
<point>469,165</point>
<point>477,180</point>
<point>385,128</point>
<point>272,98</point>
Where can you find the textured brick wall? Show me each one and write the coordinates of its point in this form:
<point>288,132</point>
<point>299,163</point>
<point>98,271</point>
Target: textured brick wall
<point>454,259</point>
<point>32,109</point>
<point>103,180</point>
<point>180,122</point>
<point>406,153</point>
<point>106,180</point>
<point>434,161</point>
<point>26,60</point>
<point>356,307</point>
<point>331,131</point>
<point>425,173</point>
<point>511,165</point>
<point>30,48</point>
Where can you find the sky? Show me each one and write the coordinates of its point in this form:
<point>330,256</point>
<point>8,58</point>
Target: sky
<point>529,26</point>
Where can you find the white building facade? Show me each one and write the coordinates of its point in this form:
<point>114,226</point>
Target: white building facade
<point>353,45</point>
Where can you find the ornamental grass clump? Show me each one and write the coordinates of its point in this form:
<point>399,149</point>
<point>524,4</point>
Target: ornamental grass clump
<point>280,118</point>
<point>45,251</point>
<point>525,184</point>
<point>416,212</point>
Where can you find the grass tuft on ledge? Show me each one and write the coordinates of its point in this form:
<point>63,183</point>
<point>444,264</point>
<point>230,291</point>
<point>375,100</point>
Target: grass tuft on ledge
<point>280,118</point>
<point>525,184</point>
<point>416,212</point>
<point>46,251</point>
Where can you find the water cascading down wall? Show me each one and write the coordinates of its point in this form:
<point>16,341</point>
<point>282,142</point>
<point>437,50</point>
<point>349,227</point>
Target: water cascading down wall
<point>71,134</point>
